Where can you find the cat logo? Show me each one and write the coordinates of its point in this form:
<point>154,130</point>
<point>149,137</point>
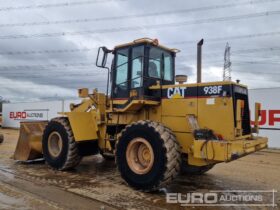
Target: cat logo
<point>177,92</point>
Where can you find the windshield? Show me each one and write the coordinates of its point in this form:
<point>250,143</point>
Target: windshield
<point>161,64</point>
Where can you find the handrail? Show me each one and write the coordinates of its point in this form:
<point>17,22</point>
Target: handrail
<point>103,65</point>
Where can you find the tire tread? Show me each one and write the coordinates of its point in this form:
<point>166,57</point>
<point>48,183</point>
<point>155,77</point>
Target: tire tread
<point>172,155</point>
<point>73,157</point>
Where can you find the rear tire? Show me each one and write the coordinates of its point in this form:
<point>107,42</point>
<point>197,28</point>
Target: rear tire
<point>148,155</point>
<point>59,146</point>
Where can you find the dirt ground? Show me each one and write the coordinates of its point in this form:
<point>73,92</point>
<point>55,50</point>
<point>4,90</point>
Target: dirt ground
<point>96,183</point>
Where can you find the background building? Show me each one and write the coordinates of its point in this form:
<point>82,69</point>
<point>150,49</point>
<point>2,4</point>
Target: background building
<point>270,119</point>
<point>14,113</point>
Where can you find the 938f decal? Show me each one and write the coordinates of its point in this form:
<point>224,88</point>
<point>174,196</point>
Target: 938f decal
<point>213,90</point>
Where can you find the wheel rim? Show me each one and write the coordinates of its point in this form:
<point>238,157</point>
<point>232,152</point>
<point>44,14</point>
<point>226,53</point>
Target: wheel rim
<point>54,144</point>
<point>140,156</point>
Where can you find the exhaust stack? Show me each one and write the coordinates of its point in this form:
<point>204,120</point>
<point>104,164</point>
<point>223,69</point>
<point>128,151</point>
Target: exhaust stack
<point>199,56</point>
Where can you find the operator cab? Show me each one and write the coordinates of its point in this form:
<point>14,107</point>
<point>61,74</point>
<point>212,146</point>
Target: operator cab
<point>137,66</point>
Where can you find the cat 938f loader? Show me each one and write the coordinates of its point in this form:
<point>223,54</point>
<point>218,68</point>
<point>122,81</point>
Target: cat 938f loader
<point>152,122</point>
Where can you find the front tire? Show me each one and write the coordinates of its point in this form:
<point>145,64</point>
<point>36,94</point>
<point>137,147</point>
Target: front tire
<point>59,146</point>
<point>148,155</point>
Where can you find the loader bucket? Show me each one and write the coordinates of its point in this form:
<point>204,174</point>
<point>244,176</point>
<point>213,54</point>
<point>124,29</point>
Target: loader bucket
<point>29,145</point>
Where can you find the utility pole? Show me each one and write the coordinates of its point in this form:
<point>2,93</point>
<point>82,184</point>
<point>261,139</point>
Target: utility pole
<point>227,64</point>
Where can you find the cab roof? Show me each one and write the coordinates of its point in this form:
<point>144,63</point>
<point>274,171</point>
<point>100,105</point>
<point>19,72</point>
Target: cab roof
<point>154,42</point>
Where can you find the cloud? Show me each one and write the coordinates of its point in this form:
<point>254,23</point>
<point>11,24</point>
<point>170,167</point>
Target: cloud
<point>34,82</point>
<point>17,90</point>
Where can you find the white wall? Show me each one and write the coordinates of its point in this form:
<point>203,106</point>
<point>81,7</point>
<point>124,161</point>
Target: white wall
<point>270,120</point>
<point>14,113</point>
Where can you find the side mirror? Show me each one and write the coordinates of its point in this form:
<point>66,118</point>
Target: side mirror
<point>101,59</point>
<point>181,79</point>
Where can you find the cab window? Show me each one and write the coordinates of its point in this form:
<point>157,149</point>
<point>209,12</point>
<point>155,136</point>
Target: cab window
<point>154,63</point>
<point>160,64</point>
<point>121,74</point>
<point>168,67</point>
<point>137,66</point>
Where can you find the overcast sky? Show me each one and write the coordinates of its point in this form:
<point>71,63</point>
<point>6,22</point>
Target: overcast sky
<point>48,48</point>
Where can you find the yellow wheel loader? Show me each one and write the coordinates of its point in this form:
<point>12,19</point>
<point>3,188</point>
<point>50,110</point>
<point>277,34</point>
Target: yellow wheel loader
<point>153,122</point>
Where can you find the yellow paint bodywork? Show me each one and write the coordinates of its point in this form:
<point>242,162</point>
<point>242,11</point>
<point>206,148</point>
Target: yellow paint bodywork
<point>218,116</point>
<point>136,105</point>
<point>174,116</point>
<point>88,119</point>
<point>215,113</point>
<point>29,145</point>
<point>224,151</point>
<point>84,125</point>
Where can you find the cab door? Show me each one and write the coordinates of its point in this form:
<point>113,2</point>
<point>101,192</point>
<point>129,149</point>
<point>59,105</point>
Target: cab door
<point>128,72</point>
<point>137,69</point>
<point>159,70</point>
<point>120,86</point>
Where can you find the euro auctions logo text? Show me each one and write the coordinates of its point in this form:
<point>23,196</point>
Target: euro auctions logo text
<point>224,198</point>
<point>269,117</point>
<point>26,115</point>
